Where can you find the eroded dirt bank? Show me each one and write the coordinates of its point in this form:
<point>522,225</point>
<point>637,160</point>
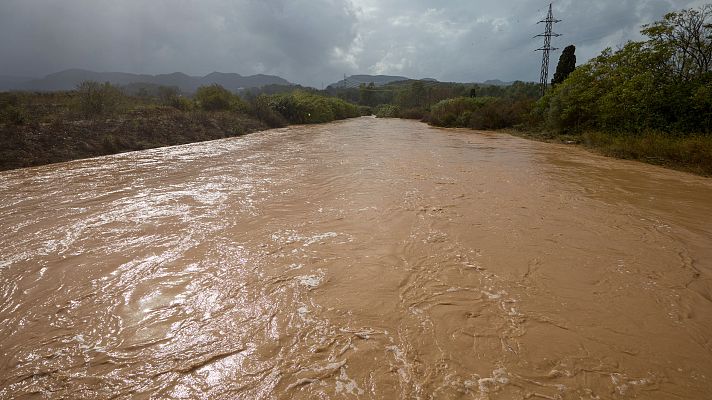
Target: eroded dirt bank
<point>365,258</point>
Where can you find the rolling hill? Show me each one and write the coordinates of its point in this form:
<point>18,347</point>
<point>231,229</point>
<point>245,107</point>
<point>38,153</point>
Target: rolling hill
<point>378,80</point>
<point>69,79</point>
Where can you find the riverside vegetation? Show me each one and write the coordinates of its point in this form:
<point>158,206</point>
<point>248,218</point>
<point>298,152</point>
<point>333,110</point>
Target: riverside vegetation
<point>649,100</point>
<point>99,119</point>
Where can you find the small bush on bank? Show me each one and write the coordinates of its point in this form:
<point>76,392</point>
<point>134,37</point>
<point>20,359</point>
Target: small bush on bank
<point>99,99</point>
<point>501,113</point>
<point>387,111</point>
<point>260,108</point>
<point>418,113</point>
<point>171,97</point>
<point>307,108</point>
<point>11,109</point>
<point>481,112</point>
<point>13,115</point>
<point>449,112</point>
<point>365,111</point>
<point>217,98</point>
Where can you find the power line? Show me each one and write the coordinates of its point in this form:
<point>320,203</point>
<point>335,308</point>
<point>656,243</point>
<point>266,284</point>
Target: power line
<point>546,49</point>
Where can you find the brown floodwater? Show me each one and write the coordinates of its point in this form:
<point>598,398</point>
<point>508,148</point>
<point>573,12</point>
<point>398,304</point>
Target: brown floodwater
<point>366,258</point>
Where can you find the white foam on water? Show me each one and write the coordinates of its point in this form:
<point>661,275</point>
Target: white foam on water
<point>311,281</point>
<point>486,385</point>
<point>494,296</point>
<point>345,384</point>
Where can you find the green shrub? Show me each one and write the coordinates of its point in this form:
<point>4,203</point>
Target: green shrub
<point>16,115</point>
<point>307,108</point>
<point>216,98</point>
<point>97,99</point>
<point>481,112</point>
<point>170,96</point>
<point>262,110</point>
<point>387,111</point>
<point>413,113</point>
<point>464,118</point>
<point>501,113</point>
<point>688,152</point>
<point>365,110</point>
<point>446,112</point>
<point>13,113</point>
<point>181,103</point>
<point>110,144</point>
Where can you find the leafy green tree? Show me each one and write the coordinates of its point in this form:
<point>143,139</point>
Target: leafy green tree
<point>567,65</point>
<point>686,37</point>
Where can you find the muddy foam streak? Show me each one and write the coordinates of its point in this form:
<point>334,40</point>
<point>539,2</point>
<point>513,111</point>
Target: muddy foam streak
<point>362,259</point>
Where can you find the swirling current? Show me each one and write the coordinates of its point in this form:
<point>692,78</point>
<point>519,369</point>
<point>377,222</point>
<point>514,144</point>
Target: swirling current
<point>368,258</point>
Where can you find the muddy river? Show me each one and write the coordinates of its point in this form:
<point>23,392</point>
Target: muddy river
<point>367,258</point>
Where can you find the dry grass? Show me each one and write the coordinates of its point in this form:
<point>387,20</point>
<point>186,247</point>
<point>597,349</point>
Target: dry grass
<point>692,153</point>
<point>689,153</point>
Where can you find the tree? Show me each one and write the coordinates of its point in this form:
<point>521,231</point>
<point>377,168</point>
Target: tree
<point>215,97</point>
<point>419,93</point>
<point>367,94</point>
<point>567,65</point>
<point>686,38</point>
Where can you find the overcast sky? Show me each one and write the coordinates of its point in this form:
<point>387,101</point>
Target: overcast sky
<point>311,41</point>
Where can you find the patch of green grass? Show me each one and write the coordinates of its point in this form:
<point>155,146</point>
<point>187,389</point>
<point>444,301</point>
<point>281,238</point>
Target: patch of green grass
<point>691,153</point>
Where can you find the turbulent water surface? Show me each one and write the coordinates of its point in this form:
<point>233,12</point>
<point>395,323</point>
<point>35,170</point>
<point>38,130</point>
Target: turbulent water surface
<point>361,259</point>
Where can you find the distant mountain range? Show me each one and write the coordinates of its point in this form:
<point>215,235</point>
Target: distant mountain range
<point>10,82</point>
<point>354,81</point>
<point>378,80</point>
<point>69,79</point>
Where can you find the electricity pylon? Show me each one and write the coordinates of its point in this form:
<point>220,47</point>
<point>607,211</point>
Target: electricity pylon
<point>548,34</point>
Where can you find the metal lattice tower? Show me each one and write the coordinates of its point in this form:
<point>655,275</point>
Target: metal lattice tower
<point>548,34</point>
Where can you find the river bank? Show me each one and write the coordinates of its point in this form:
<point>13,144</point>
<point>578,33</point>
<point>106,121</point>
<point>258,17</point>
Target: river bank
<point>99,119</point>
<point>688,153</point>
<point>66,139</point>
<point>684,151</point>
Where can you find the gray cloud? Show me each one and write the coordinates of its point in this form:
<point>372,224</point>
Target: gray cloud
<point>310,41</point>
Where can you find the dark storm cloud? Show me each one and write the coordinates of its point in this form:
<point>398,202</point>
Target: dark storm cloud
<point>467,40</point>
<point>309,41</point>
<point>292,38</point>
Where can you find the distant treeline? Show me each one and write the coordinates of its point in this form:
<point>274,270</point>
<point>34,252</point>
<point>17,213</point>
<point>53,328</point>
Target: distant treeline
<point>99,118</point>
<point>477,106</point>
